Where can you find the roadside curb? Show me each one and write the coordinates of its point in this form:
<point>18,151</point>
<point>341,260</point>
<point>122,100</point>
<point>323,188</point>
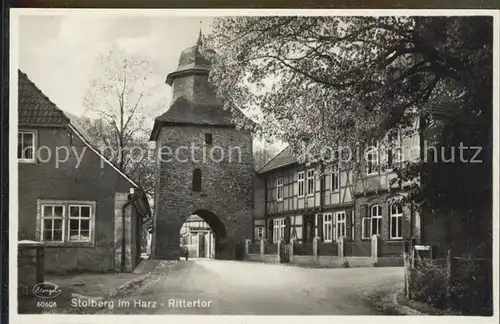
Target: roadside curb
<point>130,285</point>
<point>420,308</point>
<point>119,291</point>
<point>403,309</point>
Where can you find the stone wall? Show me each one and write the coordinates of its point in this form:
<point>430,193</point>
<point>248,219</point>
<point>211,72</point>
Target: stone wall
<point>226,187</point>
<point>325,261</point>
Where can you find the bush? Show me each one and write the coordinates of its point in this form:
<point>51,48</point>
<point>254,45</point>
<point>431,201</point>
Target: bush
<point>428,284</point>
<point>470,289</point>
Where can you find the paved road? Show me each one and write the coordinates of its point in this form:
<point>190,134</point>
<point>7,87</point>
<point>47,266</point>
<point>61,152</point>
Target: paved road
<point>245,288</point>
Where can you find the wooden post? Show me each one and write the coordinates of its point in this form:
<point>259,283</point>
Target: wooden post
<point>407,271</point>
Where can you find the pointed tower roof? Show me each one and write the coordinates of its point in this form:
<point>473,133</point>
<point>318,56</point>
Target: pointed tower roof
<point>191,62</point>
<point>194,100</point>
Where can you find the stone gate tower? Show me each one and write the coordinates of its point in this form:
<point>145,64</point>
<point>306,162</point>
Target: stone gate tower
<point>205,164</point>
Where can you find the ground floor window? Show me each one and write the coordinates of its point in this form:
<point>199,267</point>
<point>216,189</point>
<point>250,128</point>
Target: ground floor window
<point>259,233</point>
<point>278,229</point>
<point>52,223</point>
<point>327,227</point>
<point>376,224</point>
<point>65,221</point>
<point>79,223</point>
<point>396,225</point>
<point>372,225</point>
<point>341,224</point>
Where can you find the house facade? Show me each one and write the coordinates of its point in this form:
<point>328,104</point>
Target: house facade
<point>350,199</point>
<point>197,238</point>
<point>87,213</point>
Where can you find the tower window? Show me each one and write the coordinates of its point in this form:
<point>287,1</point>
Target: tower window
<point>197,180</point>
<point>208,139</point>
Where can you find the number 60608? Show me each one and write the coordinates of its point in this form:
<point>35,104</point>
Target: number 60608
<point>46,304</point>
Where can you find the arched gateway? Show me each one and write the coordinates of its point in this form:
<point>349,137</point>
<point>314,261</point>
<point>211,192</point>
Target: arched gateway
<point>205,164</point>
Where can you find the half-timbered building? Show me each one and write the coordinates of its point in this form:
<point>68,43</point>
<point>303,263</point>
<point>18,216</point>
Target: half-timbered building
<point>350,199</point>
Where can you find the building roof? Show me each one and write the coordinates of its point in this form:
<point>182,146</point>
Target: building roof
<point>191,61</point>
<point>282,159</point>
<point>184,110</point>
<point>35,108</point>
<point>200,106</point>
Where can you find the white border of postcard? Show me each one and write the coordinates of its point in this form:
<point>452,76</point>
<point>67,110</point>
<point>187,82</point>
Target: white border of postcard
<point>124,319</point>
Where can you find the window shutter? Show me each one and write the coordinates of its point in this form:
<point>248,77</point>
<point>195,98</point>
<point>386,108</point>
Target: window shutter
<point>270,230</point>
<point>349,224</point>
<point>320,226</point>
<point>364,212</point>
<point>389,220</point>
<point>287,229</point>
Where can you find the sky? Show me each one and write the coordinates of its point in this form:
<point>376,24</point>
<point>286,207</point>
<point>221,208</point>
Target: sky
<point>59,52</point>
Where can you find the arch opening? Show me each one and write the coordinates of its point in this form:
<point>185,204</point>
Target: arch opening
<point>201,235</point>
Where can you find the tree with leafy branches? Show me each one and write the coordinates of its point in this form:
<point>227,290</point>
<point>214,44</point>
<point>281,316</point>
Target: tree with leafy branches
<point>324,81</point>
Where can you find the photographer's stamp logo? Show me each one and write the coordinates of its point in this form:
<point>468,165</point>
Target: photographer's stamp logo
<point>46,290</point>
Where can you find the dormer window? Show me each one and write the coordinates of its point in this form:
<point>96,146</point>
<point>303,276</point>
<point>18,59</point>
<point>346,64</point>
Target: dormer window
<point>208,139</point>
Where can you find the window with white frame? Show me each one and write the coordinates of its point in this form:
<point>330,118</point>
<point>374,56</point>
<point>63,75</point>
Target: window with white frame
<point>66,221</point>
<point>396,227</point>
<point>278,229</point>
<point>310,182</point>
<point>26,146</point>
<point>335,178</point>
<point>327,227</point>
<point>372,158</point>
<point>376,223</point>
<point>279,188</point>
<point>372,224</point>
<point>79,223</point>
<point>301,183</point>
<point>52,222</point>
<point>341,224</point>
